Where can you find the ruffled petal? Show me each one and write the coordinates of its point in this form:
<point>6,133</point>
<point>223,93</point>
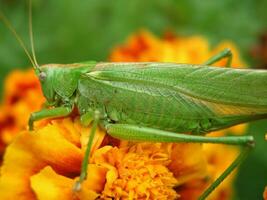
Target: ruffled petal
<point>139,172</point>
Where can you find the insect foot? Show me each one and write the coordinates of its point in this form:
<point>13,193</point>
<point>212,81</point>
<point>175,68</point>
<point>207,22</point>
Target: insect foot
<point>30,123</point>
<point>251,142</point>
<point>77,187</point>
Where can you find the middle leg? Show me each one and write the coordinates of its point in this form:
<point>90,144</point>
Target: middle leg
<point>95,117</point>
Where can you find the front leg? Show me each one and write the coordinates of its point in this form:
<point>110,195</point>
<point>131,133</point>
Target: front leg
<point>48,113</point>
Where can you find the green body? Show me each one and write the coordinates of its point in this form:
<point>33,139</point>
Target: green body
<point>159,102</point>
<point>168,96</point>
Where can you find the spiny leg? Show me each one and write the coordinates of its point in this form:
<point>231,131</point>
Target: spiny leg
<point>226,53</point>
<point>137,133</point>
<point>132,132</point>
<point>48,113</point>
<point>77,185</point>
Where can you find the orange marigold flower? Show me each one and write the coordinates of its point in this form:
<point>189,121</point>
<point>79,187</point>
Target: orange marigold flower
<point>22,95</point>
<point>45,163</point>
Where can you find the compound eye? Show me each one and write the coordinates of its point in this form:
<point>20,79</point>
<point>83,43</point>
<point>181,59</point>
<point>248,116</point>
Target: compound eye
<point>42,76</point>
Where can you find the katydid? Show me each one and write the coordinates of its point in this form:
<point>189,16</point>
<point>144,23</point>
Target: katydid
<point>150,101</point>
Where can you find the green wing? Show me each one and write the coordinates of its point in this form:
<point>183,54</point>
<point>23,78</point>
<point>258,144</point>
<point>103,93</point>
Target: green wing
<point>226,91</point>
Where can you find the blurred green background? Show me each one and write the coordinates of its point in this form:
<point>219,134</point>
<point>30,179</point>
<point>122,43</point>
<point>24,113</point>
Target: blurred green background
<point>68,31</point>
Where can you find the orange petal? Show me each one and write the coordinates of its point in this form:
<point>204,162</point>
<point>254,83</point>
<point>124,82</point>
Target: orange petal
<point>69,130</point>
<point>47,184</point>
<point>188,162</point>
<point>139,47</point>
<point>238,129</point>
<point>96,178</point>
<point>19,164</point>
<point>49,145</point>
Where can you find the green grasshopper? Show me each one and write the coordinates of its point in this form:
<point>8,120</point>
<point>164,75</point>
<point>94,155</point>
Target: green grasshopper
<point>156,102</point>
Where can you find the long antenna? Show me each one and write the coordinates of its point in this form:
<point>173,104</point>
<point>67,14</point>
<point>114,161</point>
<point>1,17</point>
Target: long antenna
<point>31,34</point>
<point>10,27</point>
